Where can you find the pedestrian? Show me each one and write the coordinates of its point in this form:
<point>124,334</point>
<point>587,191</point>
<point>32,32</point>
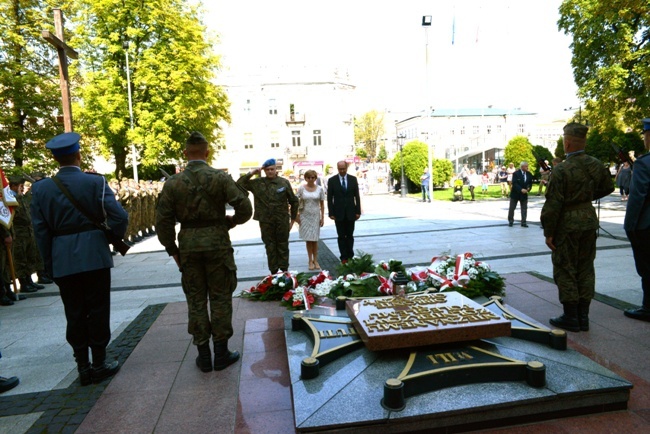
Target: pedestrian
<point>197,198</point>
<point>637,224</point>
<point>311,215</point>
<point>522,183</point>
<point>485,180</point>
<point>276,208</point>
<point>623,179</point>
<point>474,181</point>
<point>344,207</point>
<point>570,224</point>
<point>510,171</point>
<point>76,251</point>
<point>424,185</point>
<point>543,182</point>
<point>502,176</point>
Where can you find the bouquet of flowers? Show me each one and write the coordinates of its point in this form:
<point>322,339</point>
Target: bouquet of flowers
<point>274,286</point>
<point>464,274</point>
<point>307,294</point>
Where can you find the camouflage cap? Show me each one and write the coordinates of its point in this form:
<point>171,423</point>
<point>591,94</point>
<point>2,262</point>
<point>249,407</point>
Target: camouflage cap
<point>16,179</point>
<point>196,138</point>
<point>37,175</point>
<point>576,130</point>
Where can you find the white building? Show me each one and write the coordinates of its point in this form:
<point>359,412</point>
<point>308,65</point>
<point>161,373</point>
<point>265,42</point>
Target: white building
<point>302,119</point>
<point>476,137</point>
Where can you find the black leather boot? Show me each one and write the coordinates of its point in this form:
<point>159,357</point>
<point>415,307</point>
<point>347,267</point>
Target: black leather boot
<point>83,367</point>
<point>583,316</point>
<point>568,320</point>
<point>223,357</point>
<point>204,359</point>
<point>25,286</point>
<point>43,278</point>
<point>12,295</point>
<point>35,285</point>
<point>100,369</point>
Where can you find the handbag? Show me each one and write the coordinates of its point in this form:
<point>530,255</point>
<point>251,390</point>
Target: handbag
<point>301,204</point>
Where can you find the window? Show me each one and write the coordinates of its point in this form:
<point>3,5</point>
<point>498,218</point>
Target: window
<point>489,129</point>
<point>247,106</point>
<point>498,129</point>
<point>275,141</point>
<point>273,108</point>
<point>462,131</point>
<point>521,128</point>
<point>475,129</point>
<point>248,140</point>
<point>295,138</point>
<point>317,137</point>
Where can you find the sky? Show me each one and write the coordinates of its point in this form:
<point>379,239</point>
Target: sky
<point>501,53</point>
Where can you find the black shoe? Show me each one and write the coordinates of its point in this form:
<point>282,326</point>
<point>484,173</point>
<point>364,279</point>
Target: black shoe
<point>204,359</point>
<point>36,285</point>
<point>510,224</point>
<point>44,279</point>
<point>5,301</point>
<point>104,371</point>
<point>642,313</point>
<point>8,383</point>
<point>85,375</point>
<point>28,289</point>
<point>223,357</point>
<point>524,225</point>
<point>12,296</point>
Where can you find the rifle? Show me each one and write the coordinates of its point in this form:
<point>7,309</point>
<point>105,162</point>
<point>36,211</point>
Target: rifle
<point>165,174</point>
<point>29,178</point>
<point>622,156</point>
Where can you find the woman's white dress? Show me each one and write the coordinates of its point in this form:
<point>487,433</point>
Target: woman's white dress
<point>309,229</point>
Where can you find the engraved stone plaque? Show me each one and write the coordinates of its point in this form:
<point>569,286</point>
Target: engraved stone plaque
<point>424,319</point>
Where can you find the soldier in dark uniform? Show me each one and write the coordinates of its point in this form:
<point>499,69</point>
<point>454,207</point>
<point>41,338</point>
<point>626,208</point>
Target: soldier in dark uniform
<point>570,224</point>
<point>637,224</point>
<point>276,208</point>
<point>197,199</point>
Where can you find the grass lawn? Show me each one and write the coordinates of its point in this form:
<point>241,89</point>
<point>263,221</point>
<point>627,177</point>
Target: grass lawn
<point>494,192</point>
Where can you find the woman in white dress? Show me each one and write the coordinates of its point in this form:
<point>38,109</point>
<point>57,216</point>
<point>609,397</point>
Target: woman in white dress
<point>312,215</point>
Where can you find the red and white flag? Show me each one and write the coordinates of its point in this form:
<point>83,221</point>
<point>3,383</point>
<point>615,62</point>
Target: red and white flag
<point>7,203</point>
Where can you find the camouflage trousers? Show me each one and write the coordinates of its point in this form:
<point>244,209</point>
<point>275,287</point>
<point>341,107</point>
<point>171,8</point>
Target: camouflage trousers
<point>275,236</point>
<point>573,265</point>
<point>209,276</point>
<point>26,257</point>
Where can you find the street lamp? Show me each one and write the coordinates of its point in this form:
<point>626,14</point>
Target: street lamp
<point>426,23</point>
<point>128,83</point>
<point>402,185</point>
<point>579,112</point>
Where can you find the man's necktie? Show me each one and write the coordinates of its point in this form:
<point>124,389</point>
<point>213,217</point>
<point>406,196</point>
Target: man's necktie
<point>343,186</point>
<point>524,173</point>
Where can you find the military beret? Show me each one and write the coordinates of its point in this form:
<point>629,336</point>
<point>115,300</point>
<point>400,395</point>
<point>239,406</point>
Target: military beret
<point>269,162</point>
<point>575,129</point>
<point>196,138</point>
<point>64,144</point>
<point>646,124</point>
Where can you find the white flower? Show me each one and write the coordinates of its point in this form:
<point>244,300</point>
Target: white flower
<point>274,281</point>
<point>350,277</point>
<point>346,284</point>
<point>281,284</point>
<point>472,273</point>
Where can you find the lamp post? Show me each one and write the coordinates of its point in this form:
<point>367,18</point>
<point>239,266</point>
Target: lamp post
<point>402,184</point>
<point>426,23</point>
<point>579,112</point>
<point>128,85</point>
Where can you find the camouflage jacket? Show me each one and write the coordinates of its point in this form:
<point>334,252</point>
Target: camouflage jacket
<point>203,224</point>
<point>273,197</point>
<point>575,183</point>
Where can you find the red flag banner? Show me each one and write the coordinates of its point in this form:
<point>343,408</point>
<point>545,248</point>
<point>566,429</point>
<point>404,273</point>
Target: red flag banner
<point>7,203</point>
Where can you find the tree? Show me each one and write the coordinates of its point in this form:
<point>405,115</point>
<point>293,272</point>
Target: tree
<point>29,85</point>
<point>368,130</point>
<point>382,155</point>
<point>415,161</point>
<point>541,153</point>
<point>172,68</point>
<point>559,149</point>
<point>361,152</point>
<point>600,141</point>
<point>611,54</point>
<point>520,149</point>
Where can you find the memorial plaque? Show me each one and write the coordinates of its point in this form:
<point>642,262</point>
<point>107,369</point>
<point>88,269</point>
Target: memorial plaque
<point>424,319</point>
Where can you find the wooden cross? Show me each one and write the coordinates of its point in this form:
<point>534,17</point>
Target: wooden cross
<point>64,52</point>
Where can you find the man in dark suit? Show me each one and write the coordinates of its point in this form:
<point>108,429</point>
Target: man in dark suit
<point>522,183</point>
<point>344,207</point>
<point>637,224</point>
<point>77,254</point>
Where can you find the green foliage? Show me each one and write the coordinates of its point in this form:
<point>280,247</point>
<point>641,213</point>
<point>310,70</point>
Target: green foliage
<point>416,160</point>
<point>361,152</point>
<point>443,170</point>
<point>599,144</point>
<point>172,66</point>
<point>559,149</point>
<point>382,155</point>
<point>368,129</point>
<point>520,149</point>
<point>359,264</point>
<point>610,58</point>
<point>29,85</point>
<point>541,153</point>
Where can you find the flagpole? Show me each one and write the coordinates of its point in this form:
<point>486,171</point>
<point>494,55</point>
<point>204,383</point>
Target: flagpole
<point>10,259</point>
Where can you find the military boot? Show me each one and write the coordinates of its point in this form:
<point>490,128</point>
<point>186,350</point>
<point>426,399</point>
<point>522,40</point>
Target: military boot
<point>583,315</point>
<point>34,284</point>
<point>25,286</point>
<point>204,359</point>
<point>43,278</point>
<point>12,295</point>
<point>223,357</point>
<point>83,367</point>
<point>568,320</point>
<point>101,369</point>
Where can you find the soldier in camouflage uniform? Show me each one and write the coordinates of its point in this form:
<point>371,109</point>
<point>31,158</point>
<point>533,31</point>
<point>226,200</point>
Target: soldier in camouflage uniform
<point>197,199</point>
<point>273,198</point>
<point>25,251</point>
<point>570,224</point>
